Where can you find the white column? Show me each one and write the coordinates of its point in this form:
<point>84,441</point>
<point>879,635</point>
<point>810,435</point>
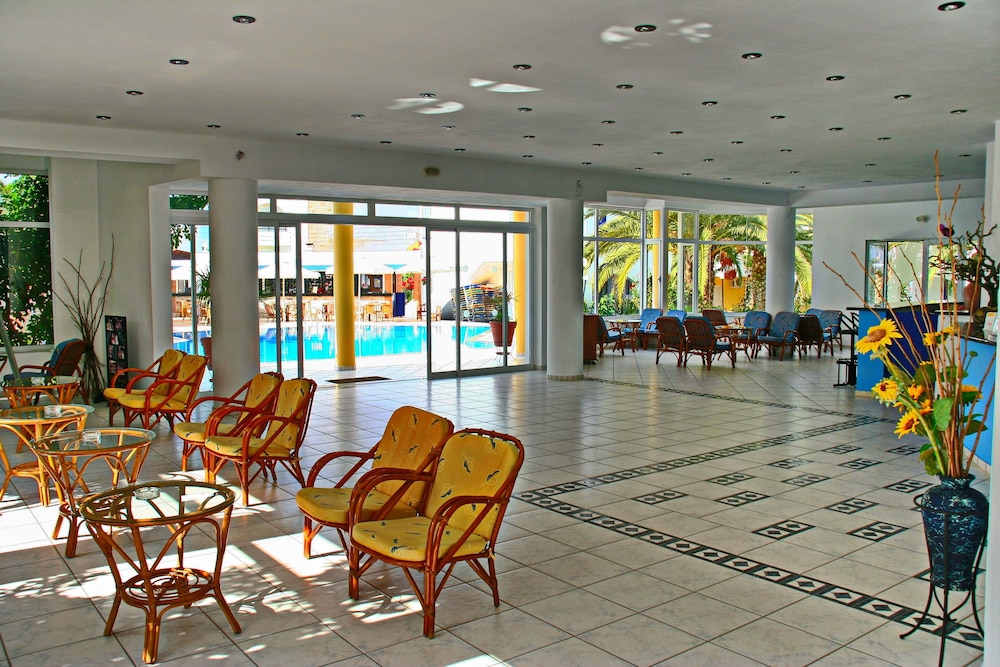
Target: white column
<point>233,245</point>
<point>991,621</point>
<point>780,293</point>
<point>564,286</point>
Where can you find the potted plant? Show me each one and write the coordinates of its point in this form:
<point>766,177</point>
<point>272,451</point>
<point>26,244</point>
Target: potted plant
<point>926,381</point>
<point>498,305</point>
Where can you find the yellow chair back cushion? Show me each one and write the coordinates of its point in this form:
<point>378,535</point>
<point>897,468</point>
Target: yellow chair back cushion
<point>409,438</point>
<point>472,465</point>
<point>293,397</point>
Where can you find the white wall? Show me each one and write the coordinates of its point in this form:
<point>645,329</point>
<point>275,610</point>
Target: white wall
<point>840,230</point>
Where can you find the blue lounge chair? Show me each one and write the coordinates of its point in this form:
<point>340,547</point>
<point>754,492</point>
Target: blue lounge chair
<point>702,341</point>
<point>782,335</point>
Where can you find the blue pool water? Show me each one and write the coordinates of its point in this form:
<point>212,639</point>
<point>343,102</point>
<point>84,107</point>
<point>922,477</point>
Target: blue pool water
<point>374,339</point>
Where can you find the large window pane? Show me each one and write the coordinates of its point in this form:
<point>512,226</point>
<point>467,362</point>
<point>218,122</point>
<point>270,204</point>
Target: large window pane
<point>25,260</point>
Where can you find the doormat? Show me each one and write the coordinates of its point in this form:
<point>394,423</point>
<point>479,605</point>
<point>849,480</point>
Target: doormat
<point>368,378</point>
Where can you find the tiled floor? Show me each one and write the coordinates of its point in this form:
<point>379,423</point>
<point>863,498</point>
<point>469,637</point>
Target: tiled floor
<point>664,516</point>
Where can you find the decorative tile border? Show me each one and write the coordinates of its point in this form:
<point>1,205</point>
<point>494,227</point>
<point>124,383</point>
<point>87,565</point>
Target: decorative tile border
<point>742,498</point>
<point>841,449</point>
<point>660,497</point>
<point>783,529</point>
<point>908,485</point>
<point>851,506</point>
<point>867,603</point>
<point>806,480</point>
<point>877,531</point>
<point>731,478</point>
<point>788,464</point>
<point>859,464</point>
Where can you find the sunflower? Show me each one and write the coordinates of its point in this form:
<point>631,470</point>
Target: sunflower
<point>932,338</point>
<point>908,423</point>
<point>886,390</point>
<point>879,337</point>
<point>915,391</point>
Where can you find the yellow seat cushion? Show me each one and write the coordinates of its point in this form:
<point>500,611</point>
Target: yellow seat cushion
<point>406,539</point>
<point>195,431</point>
<point>113,393</point>
<point>228,445</point>
<point>137,401</point>
<point>331,505</point>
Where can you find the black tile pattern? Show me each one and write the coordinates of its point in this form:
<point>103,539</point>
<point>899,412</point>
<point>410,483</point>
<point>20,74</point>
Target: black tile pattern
<point>783,529</point>
<point>660,497</point>
<point>908,485</point>
<point>806,480</point>
<point>742,498</point>
<point>731,478</point>
<point>851,506</point>
<point>905,449</point>
<point>841,449</point>
<point>877,531</point>
<point>866,603</point>
<point>788,464</point>
<point>859,464</point>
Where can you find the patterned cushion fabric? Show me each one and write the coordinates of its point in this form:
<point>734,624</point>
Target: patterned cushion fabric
<point>290,398</point>
<point>195,431</point>
<point>169,363</point>
<point>137,400</point>
<point>408,439</point>
<point>331,505</point>
<point>232,446</point>
<point>406,539</point>
<point>471,465</point>
<point>191,369</point>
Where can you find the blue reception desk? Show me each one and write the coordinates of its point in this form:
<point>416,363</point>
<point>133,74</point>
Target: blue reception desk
<point>983,364</point>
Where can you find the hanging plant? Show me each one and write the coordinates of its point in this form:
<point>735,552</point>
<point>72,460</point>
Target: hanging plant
<point>85,301</point>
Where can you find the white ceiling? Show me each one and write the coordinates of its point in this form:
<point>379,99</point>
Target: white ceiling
<point>308,65</point>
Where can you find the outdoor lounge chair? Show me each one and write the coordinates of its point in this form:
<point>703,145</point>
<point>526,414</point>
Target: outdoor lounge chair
<point>783,334</point>
<point>609,336</point>
<point>702,341</point>
<point>670,338</point>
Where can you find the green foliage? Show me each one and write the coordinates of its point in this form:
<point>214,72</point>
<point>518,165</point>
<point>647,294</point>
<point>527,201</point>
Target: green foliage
<point>25,264</point>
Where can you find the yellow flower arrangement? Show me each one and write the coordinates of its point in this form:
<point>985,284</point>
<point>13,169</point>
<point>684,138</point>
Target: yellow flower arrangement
<point>932,398</point>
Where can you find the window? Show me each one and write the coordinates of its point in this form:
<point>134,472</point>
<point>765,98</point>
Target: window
<point>25,259</point>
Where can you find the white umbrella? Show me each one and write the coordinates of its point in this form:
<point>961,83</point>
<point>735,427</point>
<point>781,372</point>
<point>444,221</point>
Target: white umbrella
<point>287,272</point>
<point>387,261</point>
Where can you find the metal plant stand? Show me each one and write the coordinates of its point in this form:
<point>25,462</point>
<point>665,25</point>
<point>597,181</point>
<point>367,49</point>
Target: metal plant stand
<point>941,597</point>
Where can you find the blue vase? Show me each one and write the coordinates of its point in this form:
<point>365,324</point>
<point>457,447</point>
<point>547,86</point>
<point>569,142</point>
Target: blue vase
<point>955,527</point>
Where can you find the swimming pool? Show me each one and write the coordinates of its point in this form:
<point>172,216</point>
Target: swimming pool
<point>371,339</point>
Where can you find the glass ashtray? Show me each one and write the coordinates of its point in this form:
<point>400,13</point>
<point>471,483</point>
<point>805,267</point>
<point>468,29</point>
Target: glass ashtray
<point>147,493</point>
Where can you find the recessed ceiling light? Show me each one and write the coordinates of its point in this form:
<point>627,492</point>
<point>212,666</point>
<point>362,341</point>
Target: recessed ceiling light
<point>179,61</point>
<point>357,116</point>
<point>870,164</point>
<point>133,93</point>
<point>737,142</point>
<point>676,132</point>
<point>661,153</point>
<point>884,138</point>
<point>459,150</point>
<point>645,27</point>
<point>522,66</point>
<point>903,96</point>
<point>528,136</point>
<point>448,127</point>
<point>624,86</point>
<point>103,117</point>
<point>244,19</point>
<point>786,150</point>
<point>708,159</point>
<point>586,163</point>
<point>213,126</point>
<point>835,77</point>
<point>959,111</point>
<point>751,56</point>
<point>777,117</point>
<point>685,173</point>
<point>301,134</point>
<point>611,122</point>
<point>428,95</point>
<point>950,6</point>
<point>965,155</point>
<point>794,171</point>
<point>709,103</point>
<point>385,141</point>
<point>836,129</point>
<point>524,109</point>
